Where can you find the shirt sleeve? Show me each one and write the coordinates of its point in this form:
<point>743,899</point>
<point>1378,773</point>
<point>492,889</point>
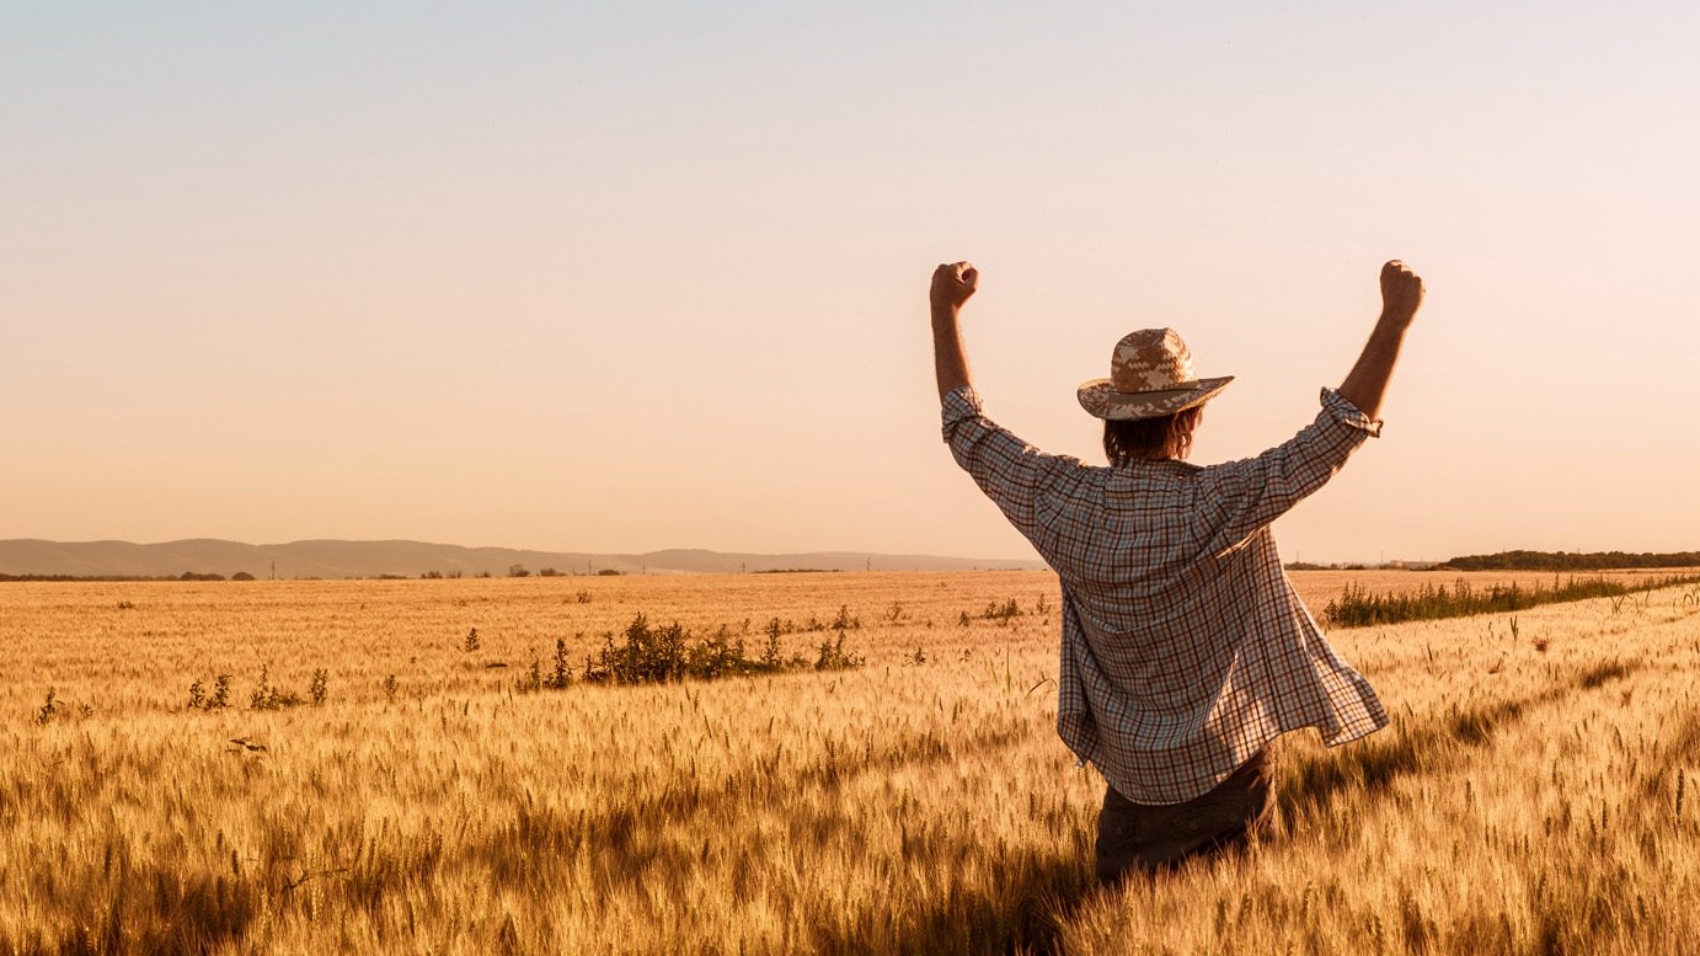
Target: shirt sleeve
<point>1011,472</point>
<point>1241,498</point>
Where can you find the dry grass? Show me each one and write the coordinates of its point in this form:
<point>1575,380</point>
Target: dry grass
<point>1524,801</point>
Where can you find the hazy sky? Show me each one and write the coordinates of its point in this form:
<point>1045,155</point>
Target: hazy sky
<point>624,276</point>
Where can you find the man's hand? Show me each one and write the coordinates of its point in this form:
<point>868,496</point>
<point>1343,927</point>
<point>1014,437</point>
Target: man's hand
<point>953,284</point>
<point>1401,292</point>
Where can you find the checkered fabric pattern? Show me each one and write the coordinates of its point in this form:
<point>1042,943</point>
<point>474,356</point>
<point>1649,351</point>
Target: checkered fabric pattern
<point>1185,649</point>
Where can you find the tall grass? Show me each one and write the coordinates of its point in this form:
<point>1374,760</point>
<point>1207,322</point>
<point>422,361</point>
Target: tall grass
<point>1357,607</point>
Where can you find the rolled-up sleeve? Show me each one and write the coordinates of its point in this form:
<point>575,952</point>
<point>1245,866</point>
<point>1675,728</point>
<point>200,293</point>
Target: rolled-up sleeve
<point>1242,497</point>
<point>1011,472</point>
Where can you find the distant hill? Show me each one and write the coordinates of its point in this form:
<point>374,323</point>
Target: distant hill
<point>369,559</point>
<point>1566,561</point>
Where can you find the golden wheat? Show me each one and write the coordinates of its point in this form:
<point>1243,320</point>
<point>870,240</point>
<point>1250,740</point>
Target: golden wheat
<point>1523,801</point>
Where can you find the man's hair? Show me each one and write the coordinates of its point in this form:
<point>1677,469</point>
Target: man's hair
<point>1151,438</point>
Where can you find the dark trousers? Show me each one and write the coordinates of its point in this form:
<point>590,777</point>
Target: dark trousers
<point>1136,836</point>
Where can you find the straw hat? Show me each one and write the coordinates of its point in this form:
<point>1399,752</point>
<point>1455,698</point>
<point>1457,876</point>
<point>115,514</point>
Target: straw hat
<point>1150,376</point>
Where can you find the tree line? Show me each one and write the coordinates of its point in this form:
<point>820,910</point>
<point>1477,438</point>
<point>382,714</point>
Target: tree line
<point>1567,561</point>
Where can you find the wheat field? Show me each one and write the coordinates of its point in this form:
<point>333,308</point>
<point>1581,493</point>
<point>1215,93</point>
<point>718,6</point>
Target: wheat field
<point>1534,793</point>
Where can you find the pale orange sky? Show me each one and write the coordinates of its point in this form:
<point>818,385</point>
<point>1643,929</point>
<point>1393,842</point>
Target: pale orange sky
<point>609,279</point>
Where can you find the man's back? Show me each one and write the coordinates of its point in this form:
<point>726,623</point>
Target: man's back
<point>1184,651</point>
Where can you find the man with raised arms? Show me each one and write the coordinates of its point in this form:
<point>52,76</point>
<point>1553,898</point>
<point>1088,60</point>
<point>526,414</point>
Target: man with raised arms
<point>1185,650</point>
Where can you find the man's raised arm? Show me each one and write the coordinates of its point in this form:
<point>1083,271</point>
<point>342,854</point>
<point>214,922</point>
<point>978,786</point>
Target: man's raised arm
<point>1401,296</point>
<point>953,284</point>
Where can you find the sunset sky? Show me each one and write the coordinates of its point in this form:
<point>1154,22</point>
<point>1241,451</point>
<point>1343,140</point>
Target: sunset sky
<point>628,276</point>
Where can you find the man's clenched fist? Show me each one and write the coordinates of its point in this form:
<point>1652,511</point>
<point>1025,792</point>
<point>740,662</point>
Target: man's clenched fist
<point>1401,291</point>
<point>953,283</point>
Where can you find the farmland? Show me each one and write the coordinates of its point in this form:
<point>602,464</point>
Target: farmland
<point>1534,793</point>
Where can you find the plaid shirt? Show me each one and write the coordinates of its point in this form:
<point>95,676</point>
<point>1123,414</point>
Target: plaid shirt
<point>1185,649</point>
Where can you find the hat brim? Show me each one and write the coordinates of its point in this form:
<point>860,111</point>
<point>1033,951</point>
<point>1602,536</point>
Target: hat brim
<point>1101,400</point>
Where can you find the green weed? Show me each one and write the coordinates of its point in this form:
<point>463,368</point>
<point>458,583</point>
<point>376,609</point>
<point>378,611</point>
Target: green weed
<point>1359,608</point>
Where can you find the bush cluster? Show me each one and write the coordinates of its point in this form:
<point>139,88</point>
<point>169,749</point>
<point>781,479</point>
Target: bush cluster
<point>649,653</point>
<point>58,709</point>
<point>220,699</point>
<point>268,697</point>
<point>265,696</point>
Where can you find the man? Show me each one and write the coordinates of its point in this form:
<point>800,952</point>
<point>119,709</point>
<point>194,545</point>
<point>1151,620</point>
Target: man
<point>1185,650</point>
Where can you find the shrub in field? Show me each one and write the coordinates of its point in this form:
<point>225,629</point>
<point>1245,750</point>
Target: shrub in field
<point>198,699</point>
<point>56,709</point>
<point>559,677</point>
<point>562,676</point>
<point>843,621</point>
<point>770,653</point>
<point>833,657</point>
<point>268,697</point>
<point>716,657</point>
<point>648,656</point>
<point>653,654</point>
